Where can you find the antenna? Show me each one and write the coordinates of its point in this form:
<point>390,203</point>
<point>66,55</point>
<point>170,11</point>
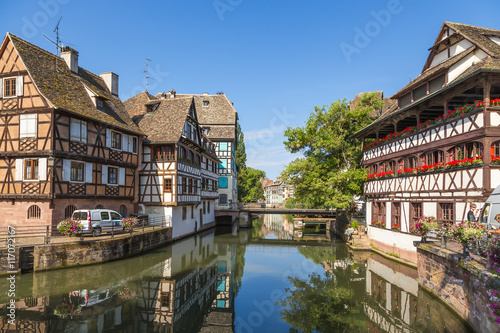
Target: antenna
<point>147,72</point>
<point>58,40</point>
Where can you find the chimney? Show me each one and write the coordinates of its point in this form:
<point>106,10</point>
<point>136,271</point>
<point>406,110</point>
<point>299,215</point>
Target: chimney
<point>172,93</point>
<point>205,94</point>
<point>111,80</point>
<point>71,57</point>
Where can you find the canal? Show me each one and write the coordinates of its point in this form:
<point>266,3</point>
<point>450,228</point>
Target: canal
<point>271,278</point>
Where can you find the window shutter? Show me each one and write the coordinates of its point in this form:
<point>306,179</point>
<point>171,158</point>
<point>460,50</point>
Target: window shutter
<point>108,138</point>
<point>121,176</point>
<point>19,86</point>
<point>19,169</point>
<point>1,88</point>
<point>74,130</point>
<point>104,173</point>
<point>88,172</point>
<point>125,142</point>
<point>84,131</point>
<point>42,168</point>
<point>66,170</point>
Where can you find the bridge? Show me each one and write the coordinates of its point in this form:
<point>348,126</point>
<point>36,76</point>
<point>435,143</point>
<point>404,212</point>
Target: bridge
<point>292,211</point>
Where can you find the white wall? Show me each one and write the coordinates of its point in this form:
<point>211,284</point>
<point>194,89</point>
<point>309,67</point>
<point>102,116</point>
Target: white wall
<point>392,238</point>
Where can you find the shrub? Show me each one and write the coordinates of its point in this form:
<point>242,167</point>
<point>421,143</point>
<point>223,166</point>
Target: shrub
<point>466,231</point>
<point>69,227</point>
<point>354,224</point>
<point>128,223</point>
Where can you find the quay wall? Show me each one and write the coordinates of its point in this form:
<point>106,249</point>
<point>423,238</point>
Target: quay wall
<point>464,285</point>
<point>54,256</point>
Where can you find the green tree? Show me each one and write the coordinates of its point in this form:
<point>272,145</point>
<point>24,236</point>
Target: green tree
<point>330,173</point>
<point>249,187</point>
<point>241,155</point>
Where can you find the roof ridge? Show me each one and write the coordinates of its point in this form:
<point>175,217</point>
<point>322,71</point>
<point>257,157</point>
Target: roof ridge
<point>35,46</point>
<point>470,25</point>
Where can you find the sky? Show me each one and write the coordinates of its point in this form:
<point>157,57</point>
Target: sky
<point>275,60</point>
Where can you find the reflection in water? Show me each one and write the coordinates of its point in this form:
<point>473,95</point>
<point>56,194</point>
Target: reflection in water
<point>261,280</point>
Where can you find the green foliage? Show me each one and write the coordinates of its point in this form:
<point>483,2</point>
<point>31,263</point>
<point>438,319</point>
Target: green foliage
<point>330,173</point>
<point>249,187</point>
<point>239,266</point>
<point>354,224</point>
<point>319,305</point>
<point>241,155</point>
<point>318,255</point>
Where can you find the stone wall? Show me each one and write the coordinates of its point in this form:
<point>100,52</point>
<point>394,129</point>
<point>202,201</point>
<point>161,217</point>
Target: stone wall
<point>55,256</point>
<point>462,284</point>
<point>4,264</point>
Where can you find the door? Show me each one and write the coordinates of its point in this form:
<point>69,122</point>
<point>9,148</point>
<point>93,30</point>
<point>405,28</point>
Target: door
<point>115,221</point>
<point>105,222</point>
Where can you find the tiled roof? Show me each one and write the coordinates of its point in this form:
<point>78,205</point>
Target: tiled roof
<point>135,105</point>
<point>165,124</point>
<point>478,36</point>
<point>221,132</point>
<point>66,91</point>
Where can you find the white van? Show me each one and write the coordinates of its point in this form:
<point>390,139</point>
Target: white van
<point>490,213</point>
<point>97,221</point>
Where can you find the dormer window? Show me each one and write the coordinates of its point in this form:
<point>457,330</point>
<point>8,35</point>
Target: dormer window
<point>99,102</point>
<point>205,103</point>
<point>152,108</point>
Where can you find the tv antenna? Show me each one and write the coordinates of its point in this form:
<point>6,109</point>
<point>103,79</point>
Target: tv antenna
<point>57,42</point>
<point>147,72</point>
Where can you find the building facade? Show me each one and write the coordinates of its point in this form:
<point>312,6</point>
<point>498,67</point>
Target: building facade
<point>178,176</point>
<point>67,142</point>
<point>435,151</point>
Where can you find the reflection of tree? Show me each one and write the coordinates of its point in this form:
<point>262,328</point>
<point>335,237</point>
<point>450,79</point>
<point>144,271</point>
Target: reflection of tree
<point>318,255</point>
<point>319,305</point>
<point>257,227</point>
<point>238,268</point>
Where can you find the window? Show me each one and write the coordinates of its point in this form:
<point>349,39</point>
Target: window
<point>223,182</point>
<point>396,215</point>
<point>223,199</point>
<point>206,103</point>
<point>415,213</point>
<point>167,185</point>
<point>165,299</point>
<point>190,185</point>
<point>99,103</point>
<point>192,211</point>
<point>116,140</point>
<point>115,216</point>
<point>446,212</point>
<point>34,212</point>
<point>99,207</point>
<point>184,185</point>
<point>27,126</point>
<point>123,210</point>
<point>68,211</point>
<point>378,211</point>
<point>134,145</point>
<point>223,163</point>
<point>31,169</point>
<point>164,153</point>
<point>208,207</point>
<point>184,213</point>
<point>204,207</point>
<point>104,216</point>
<point>468,150</point>
<point>112,175</point>
<point>77,171</point>
<point>223,146</point>
<point>9,89</point>
<point>78,130</point>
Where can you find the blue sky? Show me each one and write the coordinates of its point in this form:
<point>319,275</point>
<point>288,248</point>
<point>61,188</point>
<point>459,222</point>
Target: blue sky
<point>275,60</point>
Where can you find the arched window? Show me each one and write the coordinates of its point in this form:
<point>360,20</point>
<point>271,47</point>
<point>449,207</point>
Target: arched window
<point>467,150</point>
<point>68,212</point>
<point>99,207</point>
<point>432,157</point>
<point>34,212</point>
<point>123,210</point>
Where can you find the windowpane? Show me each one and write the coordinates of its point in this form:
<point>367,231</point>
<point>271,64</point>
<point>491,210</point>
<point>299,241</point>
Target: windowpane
<point>112,175</point>
<point>10,87</point>
<point>116,140</point>
<point>167,185</point>
<point>77,170</point>
<point>104,216</point>
<point>223,146</point>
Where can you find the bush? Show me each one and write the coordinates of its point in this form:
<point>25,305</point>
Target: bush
<point>69,227</point>
<point>354,224</point>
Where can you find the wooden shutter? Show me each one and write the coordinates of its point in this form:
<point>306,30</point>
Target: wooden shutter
<point>104,173</point>
<point>66,170</point>
<point>19,169</point>
<point>121,176</point>
<point>125,142</point>
<point>88,172</point>
<point>74,129</point>
<point>108,138</point>
<point>19,86</point>
<point>83,130</point>
<point>42,168</point>
<point>1,88</point>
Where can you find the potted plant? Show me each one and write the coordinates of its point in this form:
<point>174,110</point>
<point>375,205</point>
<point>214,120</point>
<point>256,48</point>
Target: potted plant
<point>464,232</point>
<point>423,225</point>
<point>128,223</point>
<point>69,227</point>
<point>396,227</point>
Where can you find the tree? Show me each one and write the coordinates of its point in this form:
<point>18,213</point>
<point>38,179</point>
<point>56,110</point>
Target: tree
<point>249,187</point>
<point>330,173</point>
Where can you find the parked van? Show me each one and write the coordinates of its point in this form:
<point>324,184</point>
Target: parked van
<point>97,221</point>
<point>490,213</point>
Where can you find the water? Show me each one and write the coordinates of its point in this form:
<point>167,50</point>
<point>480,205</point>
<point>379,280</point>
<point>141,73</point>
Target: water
<point>268,279</point>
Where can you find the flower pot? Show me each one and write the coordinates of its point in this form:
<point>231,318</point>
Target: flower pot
<point>465,250</point>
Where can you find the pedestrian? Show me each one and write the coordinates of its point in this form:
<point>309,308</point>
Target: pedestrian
<point>471,215</point>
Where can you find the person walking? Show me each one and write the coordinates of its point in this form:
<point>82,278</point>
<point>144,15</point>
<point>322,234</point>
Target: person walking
<point>471,215</point>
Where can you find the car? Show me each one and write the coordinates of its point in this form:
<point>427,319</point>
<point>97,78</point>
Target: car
<point>97,221</point>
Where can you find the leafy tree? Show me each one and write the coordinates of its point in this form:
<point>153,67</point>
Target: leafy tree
<point>330,173</point>
<point>249,187</point>
<point>319,305</point>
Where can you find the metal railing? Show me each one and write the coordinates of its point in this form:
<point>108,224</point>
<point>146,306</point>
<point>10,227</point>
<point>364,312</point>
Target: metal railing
<point>48,234</point>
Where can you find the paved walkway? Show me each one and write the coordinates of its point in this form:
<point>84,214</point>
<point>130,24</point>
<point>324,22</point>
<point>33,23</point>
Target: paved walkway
<point>39,238</point>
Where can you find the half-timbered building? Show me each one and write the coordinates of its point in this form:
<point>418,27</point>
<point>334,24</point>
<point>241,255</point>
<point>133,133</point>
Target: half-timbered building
<point>66,139</point>
<point>178,176</point>
<point>436,150</point>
